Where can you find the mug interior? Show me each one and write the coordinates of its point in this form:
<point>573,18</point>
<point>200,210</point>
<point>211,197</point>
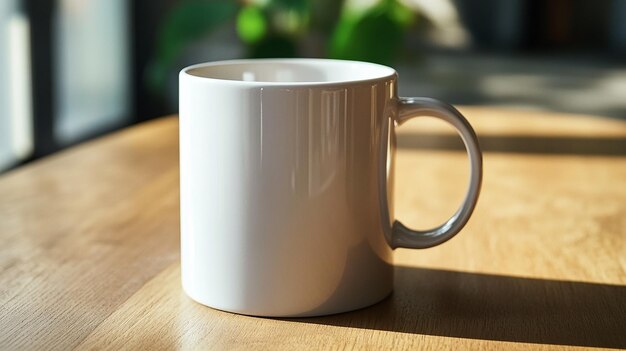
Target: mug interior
<point>290,71</point>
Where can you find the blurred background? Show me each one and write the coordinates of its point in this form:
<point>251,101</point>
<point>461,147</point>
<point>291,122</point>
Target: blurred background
<point>71,70</point>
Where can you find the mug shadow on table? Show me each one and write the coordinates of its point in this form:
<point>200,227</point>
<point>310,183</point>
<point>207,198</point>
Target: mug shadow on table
<point>492,307</point>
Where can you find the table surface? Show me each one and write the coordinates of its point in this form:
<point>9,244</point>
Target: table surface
<point>89,253</point>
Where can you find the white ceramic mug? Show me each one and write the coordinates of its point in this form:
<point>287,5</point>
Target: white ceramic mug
<point>286,180</point>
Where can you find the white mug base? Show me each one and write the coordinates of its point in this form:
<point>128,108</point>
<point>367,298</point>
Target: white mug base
<point>357,304</point>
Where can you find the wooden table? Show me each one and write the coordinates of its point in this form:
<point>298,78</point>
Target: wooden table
<point>89,254</point>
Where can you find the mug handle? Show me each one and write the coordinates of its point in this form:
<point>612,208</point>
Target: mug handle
<point>398,235</point>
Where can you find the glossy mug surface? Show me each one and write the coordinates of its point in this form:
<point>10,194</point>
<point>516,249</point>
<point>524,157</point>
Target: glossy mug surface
<point>286,184</point>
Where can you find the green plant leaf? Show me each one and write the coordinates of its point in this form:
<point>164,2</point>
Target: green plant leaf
<point>374,35</point>
<point>251,24</point>
<point>401,14</point>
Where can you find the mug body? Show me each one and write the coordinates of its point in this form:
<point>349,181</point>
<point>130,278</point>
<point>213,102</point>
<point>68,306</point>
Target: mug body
<point>280,185</point>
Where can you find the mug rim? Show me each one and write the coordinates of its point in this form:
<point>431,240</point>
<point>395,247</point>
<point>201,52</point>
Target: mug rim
<point>382,72</point>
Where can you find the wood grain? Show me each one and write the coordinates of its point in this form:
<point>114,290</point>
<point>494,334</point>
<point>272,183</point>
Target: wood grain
<point>89,254</point>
